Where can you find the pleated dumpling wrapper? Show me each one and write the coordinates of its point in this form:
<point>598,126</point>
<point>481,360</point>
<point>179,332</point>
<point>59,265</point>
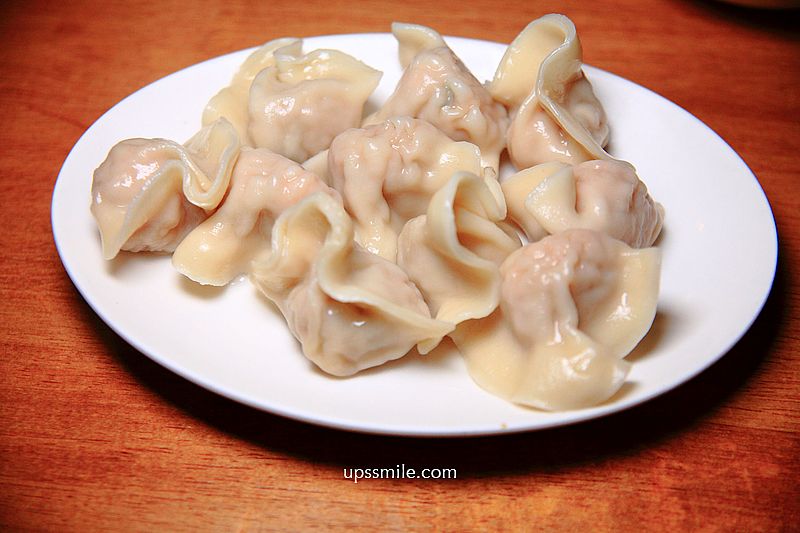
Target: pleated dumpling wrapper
<point>264,184</point>
<point>149,193</point>
<point>600,195</point>
<point>298,105</point>
<point>350,309</point>
<point>555,113</point>
<point>388,172</point>
<point>572,306</point>
<point>231,101</point>
<point>438,88</point>
<point>453,252</point>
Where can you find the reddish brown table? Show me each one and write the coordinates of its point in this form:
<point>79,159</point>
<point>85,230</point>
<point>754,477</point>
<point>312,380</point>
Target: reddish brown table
<point>93,435</point>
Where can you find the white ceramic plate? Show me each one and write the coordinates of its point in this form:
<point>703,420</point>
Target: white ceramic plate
<point>719,247</point>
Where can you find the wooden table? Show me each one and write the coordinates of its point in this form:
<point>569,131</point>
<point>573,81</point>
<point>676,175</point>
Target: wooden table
<point>95,436</point>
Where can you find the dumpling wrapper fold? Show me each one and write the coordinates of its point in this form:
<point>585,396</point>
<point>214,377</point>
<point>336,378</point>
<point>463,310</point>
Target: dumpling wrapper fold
<point>350,309</point>
<point>298,105</point>
<point>264,184</point>
<point>231,101</point>
<point>453,252</point>
<point>388,172</point>
<point>149,193</point>
<point>601,195</point>
<point>437,87</point>
<point>555,113</point>
<point>571,307</point>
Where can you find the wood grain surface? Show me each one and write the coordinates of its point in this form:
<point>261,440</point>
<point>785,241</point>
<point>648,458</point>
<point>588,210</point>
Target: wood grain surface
<point>95,436</point>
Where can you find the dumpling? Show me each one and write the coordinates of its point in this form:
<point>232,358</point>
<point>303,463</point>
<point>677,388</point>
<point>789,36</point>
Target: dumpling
<point>516,189</point>
<point>413,39</point>
<point>318,164</point>
<point>231,101</point>
<point>350,309</point>
<point>388,172</point>
<point>149,193</point>
<point>264,184</point>
<point>556,115</point>
<point>571,307</point>
<point>438,88</point>
<point>301,103</point>
<point>601,195</point>
<point>453,252</point>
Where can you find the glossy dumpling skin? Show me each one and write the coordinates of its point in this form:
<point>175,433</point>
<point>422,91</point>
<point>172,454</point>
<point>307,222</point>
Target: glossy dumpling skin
<point>556,115</point>
<point>601,195</point>
<point>438,88</point>
<point>318,164</point>
<point>301,103</point>
<point>388,172</point>
<point>572,306</point>
<point>350,309</point>
<point>149,193</point>
<point>264,184</point>
<point>453,252</point>
<point>413,39</point>
<point>231,102</point>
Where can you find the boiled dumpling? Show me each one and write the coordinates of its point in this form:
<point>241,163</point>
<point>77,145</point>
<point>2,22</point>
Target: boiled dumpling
<point>350,309</point>
<point>571,307</point>
<point>453,252</point>
<point>264,184</point>
<point>438,88</point>
<point>413,39</point>
<point>556,115</point>
<point>601,195</point>
<point>301,103</point>
<point>231,101</point>
<point>318,164</point>
<point>388,172</point>
<point>149,193</point>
